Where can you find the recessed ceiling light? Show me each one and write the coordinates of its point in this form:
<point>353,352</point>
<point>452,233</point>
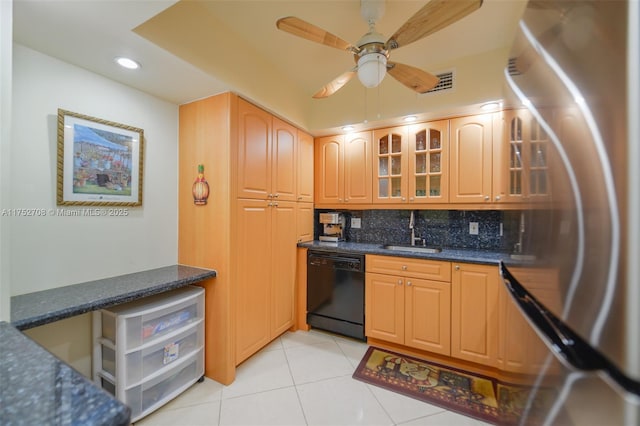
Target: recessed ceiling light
<point>127,63</point>
<point>347,128</point>
<point>489,106</point>
<point>409,118</point>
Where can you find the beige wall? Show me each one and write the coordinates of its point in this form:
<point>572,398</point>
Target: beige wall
<point>53,251</point>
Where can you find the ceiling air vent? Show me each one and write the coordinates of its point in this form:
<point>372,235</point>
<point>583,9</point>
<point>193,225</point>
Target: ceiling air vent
<point>445,83</point>
<point>513,69</point>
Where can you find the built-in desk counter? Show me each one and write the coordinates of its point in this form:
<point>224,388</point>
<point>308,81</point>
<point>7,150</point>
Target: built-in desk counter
<point>38,388</point>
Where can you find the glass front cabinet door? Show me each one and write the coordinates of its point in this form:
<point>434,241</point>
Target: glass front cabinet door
<point>526,151</point>
<point>411,163</point>
<point>390,165</point>
<point>429,162</point>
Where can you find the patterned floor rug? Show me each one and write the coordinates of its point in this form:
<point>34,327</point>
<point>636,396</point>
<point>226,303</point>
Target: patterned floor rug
<point>477,396</point>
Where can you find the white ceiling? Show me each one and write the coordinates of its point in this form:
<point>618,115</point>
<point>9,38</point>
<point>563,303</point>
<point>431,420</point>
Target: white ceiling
<point>90,33</point>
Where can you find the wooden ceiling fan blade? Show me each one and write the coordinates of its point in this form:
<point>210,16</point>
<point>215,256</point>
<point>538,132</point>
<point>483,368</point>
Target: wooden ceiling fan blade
<point>434,16</point>
<point>412,77</point>
<point>335,85</point>
<point>304,29</point>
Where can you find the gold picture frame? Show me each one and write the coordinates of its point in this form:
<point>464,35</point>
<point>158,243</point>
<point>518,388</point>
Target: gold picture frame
<point>100,163</point>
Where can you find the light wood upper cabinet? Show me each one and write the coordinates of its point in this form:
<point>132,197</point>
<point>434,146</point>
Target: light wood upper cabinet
<point>474,313</point>
<point>521,156</point>
<point>390,168</point>
<point>254,151</point>
<point>284,161</point>
<point>471,145</point>
<point>267,157</point>
<point>305,167</point>
<point>343,169</point>
<point>404,308</point>
<point>429,162</point>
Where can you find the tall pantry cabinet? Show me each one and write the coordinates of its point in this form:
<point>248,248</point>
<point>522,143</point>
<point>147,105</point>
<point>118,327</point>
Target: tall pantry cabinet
<point>245,230</point>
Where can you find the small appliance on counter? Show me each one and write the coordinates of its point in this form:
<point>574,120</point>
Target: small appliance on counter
<point>333,226</point>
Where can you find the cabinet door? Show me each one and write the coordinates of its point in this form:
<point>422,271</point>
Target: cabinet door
<point>428,315</point>
<point>384,307</point>
<point>471,159</point>
<point>329,170</point>
<point>521,350</point>
<point>254,151</point>
<point>283,252</point>
<point>521,164</point>
<point>429,162</point>
<point>474,313</point>
<point>305,171</point>
<point>253,272</point>
<point>284,161</point>
<point>304,222</point>
<point>357,168</point>
<point>390,165</point>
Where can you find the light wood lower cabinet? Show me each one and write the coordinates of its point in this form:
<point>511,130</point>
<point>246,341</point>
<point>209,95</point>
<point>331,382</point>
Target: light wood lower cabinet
<point>266,265</point>
<point>474,313</point>
<point>521,350</point>
<point>403,309</point>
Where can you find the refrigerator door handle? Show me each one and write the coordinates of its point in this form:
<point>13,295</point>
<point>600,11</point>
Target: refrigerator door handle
<point>568,346</point>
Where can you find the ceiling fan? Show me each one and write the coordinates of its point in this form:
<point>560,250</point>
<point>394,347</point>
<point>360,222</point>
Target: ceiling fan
<point>371,52</point>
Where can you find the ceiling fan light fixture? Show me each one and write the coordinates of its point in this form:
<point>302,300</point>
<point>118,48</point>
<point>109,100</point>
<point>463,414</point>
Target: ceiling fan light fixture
<point>371,69</point>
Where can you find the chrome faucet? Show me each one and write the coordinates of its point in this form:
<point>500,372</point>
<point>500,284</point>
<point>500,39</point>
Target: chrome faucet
<point>412,223</point>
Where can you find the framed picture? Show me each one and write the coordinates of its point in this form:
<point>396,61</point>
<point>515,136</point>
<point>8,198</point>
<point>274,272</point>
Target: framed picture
<point>99,162</point>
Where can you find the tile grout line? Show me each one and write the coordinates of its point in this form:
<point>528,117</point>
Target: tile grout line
<point>295,386</point>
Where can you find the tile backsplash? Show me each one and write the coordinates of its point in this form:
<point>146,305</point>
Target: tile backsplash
<point>442,228</point>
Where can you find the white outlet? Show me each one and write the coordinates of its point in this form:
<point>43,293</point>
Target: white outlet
<point>473,228</point>
<point>356,222</point>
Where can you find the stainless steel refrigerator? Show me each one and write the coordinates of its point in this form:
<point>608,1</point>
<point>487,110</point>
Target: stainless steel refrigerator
<point>575,66</point>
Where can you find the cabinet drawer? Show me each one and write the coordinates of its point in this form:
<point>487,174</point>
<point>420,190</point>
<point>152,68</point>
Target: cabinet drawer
<point>142,322</point>
<point>416,268</point>
<point>140,364</point>
<point>147,396</point>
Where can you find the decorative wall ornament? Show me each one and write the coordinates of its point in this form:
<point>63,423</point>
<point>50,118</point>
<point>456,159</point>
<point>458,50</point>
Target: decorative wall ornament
<point>200,188</point>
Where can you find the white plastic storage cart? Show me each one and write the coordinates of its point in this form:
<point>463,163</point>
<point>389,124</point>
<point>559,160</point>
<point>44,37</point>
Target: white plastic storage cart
<point>148,351</point>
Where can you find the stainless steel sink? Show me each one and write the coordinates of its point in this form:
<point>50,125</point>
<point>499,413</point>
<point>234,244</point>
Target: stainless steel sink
<point>414,249</point>
<point>520,256</point>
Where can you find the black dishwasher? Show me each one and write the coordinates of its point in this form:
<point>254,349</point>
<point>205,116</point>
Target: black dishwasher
<point>335,292</point>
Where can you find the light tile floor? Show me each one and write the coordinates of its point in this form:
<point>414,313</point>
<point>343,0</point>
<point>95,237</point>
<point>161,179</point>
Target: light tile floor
<point>301,378</point>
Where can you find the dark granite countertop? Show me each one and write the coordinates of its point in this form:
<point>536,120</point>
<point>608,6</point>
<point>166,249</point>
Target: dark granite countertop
<point>452,255</point>
<point>42,307</point>
<point>39,389</point>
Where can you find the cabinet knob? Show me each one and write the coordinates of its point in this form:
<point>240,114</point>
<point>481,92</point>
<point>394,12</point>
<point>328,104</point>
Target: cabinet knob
<point>404,267</point>
<point>346,200</point>
<point>270,196</point>
<point>404,199</point>
<point>299,198</point>
<point>399,282</point>
<point>408,283</point>
<point>487,198</point>
<point>270,204</point>
<point>457,267</point>
<point>497,198</point>
<point>411,198</point>
<point>276,195</point>
<point>339,200</point>
<point>275,204</point>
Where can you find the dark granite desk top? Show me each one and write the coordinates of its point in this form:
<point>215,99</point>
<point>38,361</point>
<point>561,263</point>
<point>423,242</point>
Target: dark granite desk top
<point>42,307</point>
<point>39,389</point>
